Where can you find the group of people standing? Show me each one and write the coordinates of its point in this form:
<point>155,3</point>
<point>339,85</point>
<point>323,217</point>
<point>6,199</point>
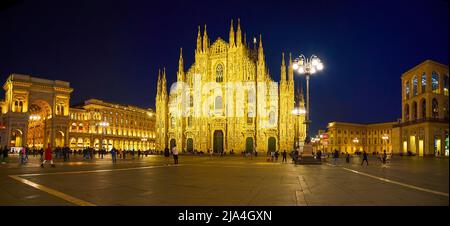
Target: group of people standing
<point>365,158</point>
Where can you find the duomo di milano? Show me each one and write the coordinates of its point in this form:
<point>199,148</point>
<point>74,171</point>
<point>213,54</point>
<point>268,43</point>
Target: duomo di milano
<point>227,100</point>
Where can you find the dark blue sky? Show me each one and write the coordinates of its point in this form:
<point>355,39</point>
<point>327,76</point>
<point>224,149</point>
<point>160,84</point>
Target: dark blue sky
<point>112,50</point>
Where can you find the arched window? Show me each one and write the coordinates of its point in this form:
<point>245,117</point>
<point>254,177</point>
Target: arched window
<point>414,82</point>
<point>190,121</point>
<point>407,90</point>
<point>407,112</point>
<point>250,96</point>
<point>250,117</point>
<point>424,108</point>
<point>414,111</point>
<point>272,118</point>
<point>446,110</point>
<point>219,73</point>
<point>424,82</point>
<point>435,109</point>
<point>16,106</point>
<point>172,122</point>
<point>218,103</point>
<point>446,84</point>
<point>434,82</point>
<point>20,106</point>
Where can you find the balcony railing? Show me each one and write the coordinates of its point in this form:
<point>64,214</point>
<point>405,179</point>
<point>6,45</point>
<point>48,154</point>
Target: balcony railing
<point>422,120</point>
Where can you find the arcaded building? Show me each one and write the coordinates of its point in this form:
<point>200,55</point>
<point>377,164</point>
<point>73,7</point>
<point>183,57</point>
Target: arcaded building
<point>36,113</point>
<point>425,114</point>
<point>352,137</point>
<point>97,123</point>
<point>423,128</point>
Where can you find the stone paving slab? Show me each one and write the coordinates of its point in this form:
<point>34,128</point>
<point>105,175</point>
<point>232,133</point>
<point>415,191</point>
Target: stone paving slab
<point>234,181</point>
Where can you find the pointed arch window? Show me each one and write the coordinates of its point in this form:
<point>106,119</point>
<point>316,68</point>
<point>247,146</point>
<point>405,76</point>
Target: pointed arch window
<point>250,117</point>
<point>218,103</point>
<point>190,121</point>
<point>272,118</point>
<point>219,73</point>
<point>250,96</point>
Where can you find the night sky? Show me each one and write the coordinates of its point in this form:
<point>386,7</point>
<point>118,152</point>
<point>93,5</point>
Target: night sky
<point>112,50</point>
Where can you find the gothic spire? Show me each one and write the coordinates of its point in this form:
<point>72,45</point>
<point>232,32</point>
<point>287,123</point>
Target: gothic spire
<point>205,40</point>
<point>290,69</point>
<point>239,34</point>
<point>181,67</point>
<point>232,42</point>
<point>158,90</point>
<point>260,50</point>
<point>283,68</point>
<point>199,40</point>
<point>164,82</point>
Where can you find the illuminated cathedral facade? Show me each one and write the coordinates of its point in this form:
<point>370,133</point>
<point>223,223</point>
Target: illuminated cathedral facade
<point>226,100</point>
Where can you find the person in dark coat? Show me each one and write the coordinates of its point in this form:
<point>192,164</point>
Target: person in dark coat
<point>364,158</point>
<point>284,154</point>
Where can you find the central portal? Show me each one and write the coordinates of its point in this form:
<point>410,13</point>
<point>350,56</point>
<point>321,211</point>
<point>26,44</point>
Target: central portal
<point>218,141</point>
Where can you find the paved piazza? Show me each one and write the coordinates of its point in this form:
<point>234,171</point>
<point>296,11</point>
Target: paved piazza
<point>234,181</point>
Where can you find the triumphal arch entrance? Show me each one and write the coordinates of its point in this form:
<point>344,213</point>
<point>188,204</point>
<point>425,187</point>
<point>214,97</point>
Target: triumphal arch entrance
<point>35,112</point>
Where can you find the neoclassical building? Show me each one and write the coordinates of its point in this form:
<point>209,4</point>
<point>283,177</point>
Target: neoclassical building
<point>423,128</point>
<point>425,115</point>
<point>351,137</point>
<point>227,100</point>
<point>124,127</point>
<point>36,112</point>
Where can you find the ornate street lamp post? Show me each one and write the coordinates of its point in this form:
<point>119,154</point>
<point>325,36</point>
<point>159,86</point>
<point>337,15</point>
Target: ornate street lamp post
<point>308,67</point>
<point>298,111</point>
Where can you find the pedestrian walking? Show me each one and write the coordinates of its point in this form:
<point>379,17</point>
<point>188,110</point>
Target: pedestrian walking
<point>5,155</point>
<point>335,157</point>
<point>284,154</point>
<point>167,155</point>
<point>319,155</point>
<point>384,157</point>
<point>41,154</point>
<point>347,159</point>
<point>48,157</point>
<point>296,155</point>
<point>113,155</point>
<point>365,158</point>
<point>175,154</point>
<point>22,154</point>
